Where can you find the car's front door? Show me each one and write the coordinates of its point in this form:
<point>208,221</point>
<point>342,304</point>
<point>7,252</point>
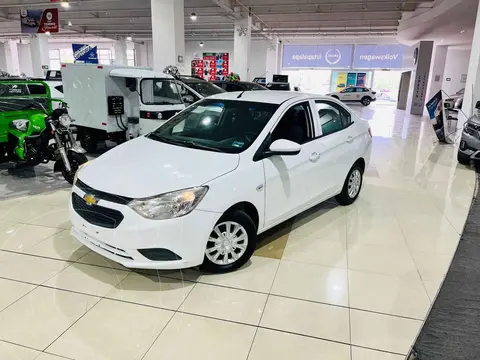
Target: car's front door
<point>292,181</point>
<point>347,94</point>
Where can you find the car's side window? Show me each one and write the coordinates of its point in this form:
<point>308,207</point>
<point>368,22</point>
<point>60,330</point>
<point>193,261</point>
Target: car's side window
<point>295,125</point>
<point>233,87</point>
<point>332,117</point>
<point>350,90</point>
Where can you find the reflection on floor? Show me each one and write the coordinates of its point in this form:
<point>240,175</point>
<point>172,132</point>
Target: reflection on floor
<point>340,283</point>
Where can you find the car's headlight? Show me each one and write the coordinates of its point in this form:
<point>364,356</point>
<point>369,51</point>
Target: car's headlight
<point>21,125</point>
<point>75,178</point>
<point>170,205</point>
<point>65,120</point>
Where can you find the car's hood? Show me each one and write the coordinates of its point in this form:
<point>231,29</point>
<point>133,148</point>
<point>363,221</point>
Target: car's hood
<point>143,167</point>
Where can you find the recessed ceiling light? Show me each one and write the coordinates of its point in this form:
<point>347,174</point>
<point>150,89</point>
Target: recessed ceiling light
<point>201,44</point>
<point>65,4</point>
<point>461,32</point>
<point>47,33</point>
<point>129,38</point>
<point>69,23</point>
<point>193,16</point>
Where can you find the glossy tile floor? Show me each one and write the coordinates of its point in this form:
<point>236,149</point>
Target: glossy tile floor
<point>333,284</point>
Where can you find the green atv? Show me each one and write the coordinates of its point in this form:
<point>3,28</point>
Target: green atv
<point>32,131</point>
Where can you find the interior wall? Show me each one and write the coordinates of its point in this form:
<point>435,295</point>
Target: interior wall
<point>25,59</point>
<point>258,54</point>
<point>3,58</point>
<point>455,65</point>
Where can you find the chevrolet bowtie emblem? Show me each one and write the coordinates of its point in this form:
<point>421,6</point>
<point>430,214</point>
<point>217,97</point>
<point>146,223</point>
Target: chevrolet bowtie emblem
<point>90,199</point>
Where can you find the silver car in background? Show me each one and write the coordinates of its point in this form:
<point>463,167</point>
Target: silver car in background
<point>470,143</point>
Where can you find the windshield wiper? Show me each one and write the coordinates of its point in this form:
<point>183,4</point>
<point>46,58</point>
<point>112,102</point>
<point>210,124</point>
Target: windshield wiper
<point>154,136</point>
<point>187,143</point>
<point>195,145</point>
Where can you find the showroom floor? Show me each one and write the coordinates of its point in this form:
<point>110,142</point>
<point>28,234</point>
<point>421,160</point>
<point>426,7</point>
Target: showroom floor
<point>333,284</point>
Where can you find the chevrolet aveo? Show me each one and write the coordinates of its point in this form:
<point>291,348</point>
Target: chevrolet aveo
<point>200,188</point>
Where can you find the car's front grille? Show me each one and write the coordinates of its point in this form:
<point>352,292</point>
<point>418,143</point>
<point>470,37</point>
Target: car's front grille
<point>96,215</point>
<point>101,195</point>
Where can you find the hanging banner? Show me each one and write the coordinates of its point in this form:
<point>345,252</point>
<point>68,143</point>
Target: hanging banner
<point>351,79</point>
<point>86,54</point>
<point>378,56</point>
<point>212,66</point>
<point>317,56</point>
<point>361,79</point>
<point>341,81</point>
<point>39,21</point>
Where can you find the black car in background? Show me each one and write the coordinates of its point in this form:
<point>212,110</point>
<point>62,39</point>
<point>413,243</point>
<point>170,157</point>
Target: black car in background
<point>230,86</point>
<point>201,86</point>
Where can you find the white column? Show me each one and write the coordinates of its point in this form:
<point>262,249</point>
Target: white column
<point>39,54</point>
<point>241,47</point>
<point>272,59</point>
<point>25,59</point>
<point>140,55</point>
<point>11,57</point>
<point>120,47</point>
<point>420,76</point>
<point>439,59</point>
<point>472,87</point>
<point>168,33</point>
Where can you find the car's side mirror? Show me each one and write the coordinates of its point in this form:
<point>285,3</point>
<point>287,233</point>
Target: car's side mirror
<point>188,99</point>
<point>284,147</point>
<point>477,105</point>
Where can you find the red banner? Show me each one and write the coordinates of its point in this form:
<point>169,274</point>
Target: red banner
<point>39,21</point>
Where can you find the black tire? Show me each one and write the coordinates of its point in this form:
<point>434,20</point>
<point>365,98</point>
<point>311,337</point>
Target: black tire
<point>463,159</point>
<point>366,101</point>
<point>88,141</point>
<point>248,225</point>
<point>76,160</point>
<point>344,197</point>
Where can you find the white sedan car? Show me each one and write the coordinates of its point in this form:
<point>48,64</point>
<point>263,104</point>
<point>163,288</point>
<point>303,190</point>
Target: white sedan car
<point>363,95</point>
<point>201,188</point>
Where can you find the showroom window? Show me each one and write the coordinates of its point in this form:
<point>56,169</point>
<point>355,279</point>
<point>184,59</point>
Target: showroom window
<point>66,56</point>
<point>131,57</point>
<point>54,56</point>
<point>332,117</point>
<point>105,56</point>
<point>295,125</point>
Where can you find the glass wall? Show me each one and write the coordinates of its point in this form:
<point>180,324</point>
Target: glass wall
<point>387,84</point>
<point>310,81</point>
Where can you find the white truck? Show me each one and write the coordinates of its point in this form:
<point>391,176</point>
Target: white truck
<point>119,103</point>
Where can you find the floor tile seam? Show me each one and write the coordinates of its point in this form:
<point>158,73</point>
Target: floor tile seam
<point>314,264</point>
<point>168,322</point>
<point>30,348</point>
<point>35,286</point>
<point>37,243</point>
<point>27,223</point>
<point>264,308</point>
<point>169,309</point>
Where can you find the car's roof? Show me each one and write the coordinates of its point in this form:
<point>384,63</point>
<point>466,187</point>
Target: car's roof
<point>270,97</point>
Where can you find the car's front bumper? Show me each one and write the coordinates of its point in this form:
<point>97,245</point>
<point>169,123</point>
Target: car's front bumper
<point>186,237</point>
<point>469,145</point>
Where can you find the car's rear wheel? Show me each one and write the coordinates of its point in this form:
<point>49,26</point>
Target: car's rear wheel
<point>366,101</point>
<point>352,186</point>
<point>231,243</point>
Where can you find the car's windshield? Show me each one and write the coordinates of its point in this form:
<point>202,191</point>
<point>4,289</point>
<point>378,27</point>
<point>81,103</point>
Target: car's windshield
<point>160,92</point>
<point>217,125</point>
<point>204,88</point>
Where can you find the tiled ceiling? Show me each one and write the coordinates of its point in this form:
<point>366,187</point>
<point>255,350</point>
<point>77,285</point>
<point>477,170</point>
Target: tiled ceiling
<point>288,19</point>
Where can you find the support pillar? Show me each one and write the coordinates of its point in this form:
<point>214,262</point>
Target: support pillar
<point>272,59</point>
<point>11,57</point>
<point>439,58</point>
<point>25,59</point>
<point>39,54</point>
<point>420,75</point>
<point>168,34</point>
<point>140,55</point>
<point>241,47</point>
<point>472,87</point>
<point>120,47</point>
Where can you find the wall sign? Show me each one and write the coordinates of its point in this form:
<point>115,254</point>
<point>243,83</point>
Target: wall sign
<point>317,56</point>
<point>378,56</point>
<point>463,79</point>
<point>212,66</point>
<point>86,54</point>
<point>39,21</point>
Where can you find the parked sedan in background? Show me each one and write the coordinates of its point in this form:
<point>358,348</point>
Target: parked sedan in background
<point>217,175</point>
<point>230,86</point>
<point>363,95</point>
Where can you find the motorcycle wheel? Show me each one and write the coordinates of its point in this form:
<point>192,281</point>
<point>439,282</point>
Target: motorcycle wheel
<point>75,161</point>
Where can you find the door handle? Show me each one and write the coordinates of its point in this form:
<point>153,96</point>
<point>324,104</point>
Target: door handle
<point>350,139</point>
<point>314,157</point>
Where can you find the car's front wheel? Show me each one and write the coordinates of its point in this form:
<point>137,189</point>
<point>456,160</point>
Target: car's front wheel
<point>352,186</point>
<point>366,101</point>
<point>231,243</point>
<point>463,159</point>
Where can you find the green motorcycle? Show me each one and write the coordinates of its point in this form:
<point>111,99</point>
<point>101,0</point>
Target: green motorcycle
<point>32,132</point>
